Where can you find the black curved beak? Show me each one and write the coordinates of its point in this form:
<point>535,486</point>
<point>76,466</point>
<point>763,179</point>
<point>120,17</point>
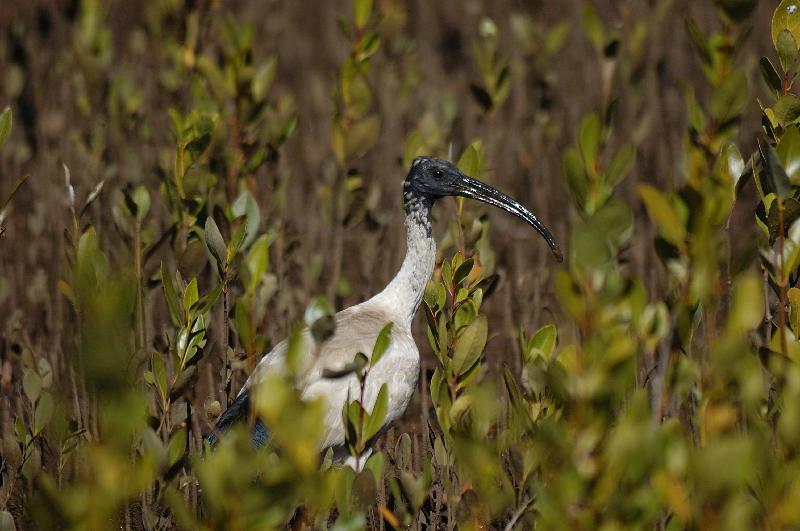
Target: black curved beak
<point>474,189</point>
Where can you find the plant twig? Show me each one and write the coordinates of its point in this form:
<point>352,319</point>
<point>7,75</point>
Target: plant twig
<point>519,513</point>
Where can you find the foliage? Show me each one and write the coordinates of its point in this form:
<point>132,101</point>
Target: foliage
<point>652,382</point>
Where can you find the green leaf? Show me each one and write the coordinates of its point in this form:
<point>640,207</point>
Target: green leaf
<point>370,44</point>
<point>242,323</point>
<point>574,171</point>
<point>246,205</point>
<point>556,37</point>
<point>789,151</point>
<point>747,308</point>
<point>696,116</point>
<point>620,165</point>
<point>463,271</point>
<point>517,400</point>
<point>31,385</point>
<point>589,247</point>
<point>699,41</point>
<point>381,343</point>
<point>593,26</point>
<point>447,274</point>
<point>471,343</point>
<point>5,125</point>
<point>614,221</point>
<point>731,164</point>
<point>19,182</point>
<point>589,140</point>
<point>663,215</point>
<point>362,9</point>
<point>177,447</point>
<point>356,91</point>
<point>175,310</point>
<point>471,160</point>
<point>142,199</point>
<point>364,495</point>
<point>776,175</point>
<point>207,301</point>
<point>262,79</point>
<point>787,50</point>
<point>215,243</point>
<point>770,75</point>
<point>787,109</point>
<point>375,421</point>
<point>791,212</point>
<point>257,262</point>
<point>236,243</point>
<point>786,17</point>
<point>361,136</point>
<point>544,339</point>
<point>190,296</point>
<point>728,100</point>
<point>794,312</point>
<point>159,371</point>
<point>44,412</point>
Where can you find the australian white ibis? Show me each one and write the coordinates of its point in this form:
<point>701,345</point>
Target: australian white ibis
<point>357,327</point>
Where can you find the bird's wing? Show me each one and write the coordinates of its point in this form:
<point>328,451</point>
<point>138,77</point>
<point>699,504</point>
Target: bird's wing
<point>357,328</point>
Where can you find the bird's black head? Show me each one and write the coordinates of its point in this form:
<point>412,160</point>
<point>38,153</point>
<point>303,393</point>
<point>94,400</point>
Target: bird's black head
<point>430,179</point>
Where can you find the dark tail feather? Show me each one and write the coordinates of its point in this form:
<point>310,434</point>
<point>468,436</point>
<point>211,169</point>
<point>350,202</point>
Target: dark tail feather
<point>238,411</point>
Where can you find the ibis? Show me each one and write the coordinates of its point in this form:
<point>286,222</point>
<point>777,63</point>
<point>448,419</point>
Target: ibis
<point>357,327</point>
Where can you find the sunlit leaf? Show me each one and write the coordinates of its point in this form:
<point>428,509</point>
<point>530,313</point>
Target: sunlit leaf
<point>731,164</point>
<point>190,296</point>
<point>593,26</point>
<point>246,205</point>
<point>786,17</point>
<point>663,214</point>
<point>361,12</point>
<point>589,140</point>
<point>788,151</point>
<point>381,343</point>
<point>544,339</point>
<point>377,416</point>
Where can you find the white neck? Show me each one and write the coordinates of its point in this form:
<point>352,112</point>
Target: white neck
<point>404,293</point>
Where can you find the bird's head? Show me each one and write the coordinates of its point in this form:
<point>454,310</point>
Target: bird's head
<point>431,178</point>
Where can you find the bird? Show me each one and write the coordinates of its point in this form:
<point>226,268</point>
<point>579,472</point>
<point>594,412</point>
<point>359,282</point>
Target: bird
<point>357,327</point>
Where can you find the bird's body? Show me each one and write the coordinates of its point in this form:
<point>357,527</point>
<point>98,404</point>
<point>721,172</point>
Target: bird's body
<point>358,327</point>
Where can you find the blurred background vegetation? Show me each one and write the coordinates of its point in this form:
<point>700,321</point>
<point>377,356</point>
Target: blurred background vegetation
<point>180,180</point>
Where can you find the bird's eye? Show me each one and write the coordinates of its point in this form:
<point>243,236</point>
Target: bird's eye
<point>438,173</point>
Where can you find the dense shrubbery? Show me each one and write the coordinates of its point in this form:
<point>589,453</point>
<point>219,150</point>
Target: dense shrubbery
<point>665,398</point>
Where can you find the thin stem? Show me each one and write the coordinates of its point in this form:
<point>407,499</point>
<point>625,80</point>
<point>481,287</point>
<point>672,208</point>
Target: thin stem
<point>782,281</point>
<point>225,343</point>
<point>362,383</point>
<point>519,513</point>
<point>141,339</point>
